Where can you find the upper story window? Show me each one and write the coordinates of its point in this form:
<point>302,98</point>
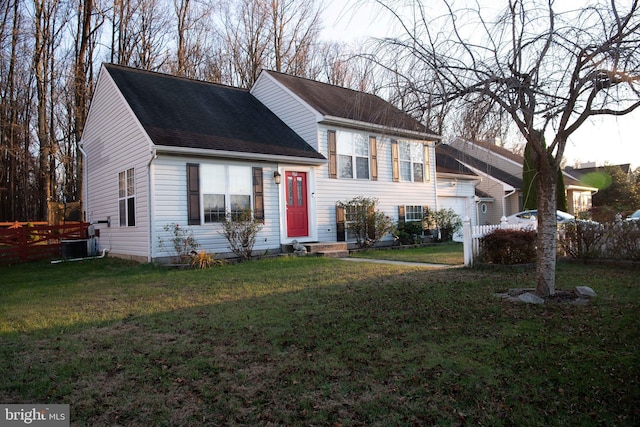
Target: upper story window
<point>127,198</point>
<point>353,155</point>
<point>411,158</point>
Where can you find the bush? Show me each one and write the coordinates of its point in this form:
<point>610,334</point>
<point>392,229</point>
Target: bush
<point>367,224</point>
<point>581,239</point>
<point>409,233</point>
<point>447,221</point>
<point>509,247</point>
<point>241,230</point>
<point>182,243</point>
<point>203,260</point>
<point>622,240</point>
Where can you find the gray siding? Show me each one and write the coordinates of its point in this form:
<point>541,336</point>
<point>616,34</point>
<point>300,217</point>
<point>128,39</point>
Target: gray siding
<point>389,194</point>
<point>114,142</point>
<point>290,109</point>
<point>170,206</point>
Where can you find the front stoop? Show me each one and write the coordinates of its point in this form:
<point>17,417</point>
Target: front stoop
<point>325,249</point>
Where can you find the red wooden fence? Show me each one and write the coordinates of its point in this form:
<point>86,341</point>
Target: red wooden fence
<point>28,242</point>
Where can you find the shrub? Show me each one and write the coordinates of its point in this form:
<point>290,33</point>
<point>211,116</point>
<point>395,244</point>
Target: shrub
<point>581,239</point>
<point>367,224</point>
<point>203,260</point>
<point>181,245</point>
<point>241,230</point>
<point>409,233</point>
<point>622,240</point>
<point>447,221</point>
<point>509,247</point>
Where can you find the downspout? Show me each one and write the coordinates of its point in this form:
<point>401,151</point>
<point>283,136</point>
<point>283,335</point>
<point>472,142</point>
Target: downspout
<point>85,174</point>
<point>150,183</point>
<point>504,198</point>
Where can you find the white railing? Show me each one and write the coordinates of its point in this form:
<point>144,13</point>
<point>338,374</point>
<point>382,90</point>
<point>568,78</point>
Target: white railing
<point>471,235</point>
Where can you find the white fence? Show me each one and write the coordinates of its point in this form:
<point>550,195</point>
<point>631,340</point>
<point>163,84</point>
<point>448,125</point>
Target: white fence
<point>471,235</point>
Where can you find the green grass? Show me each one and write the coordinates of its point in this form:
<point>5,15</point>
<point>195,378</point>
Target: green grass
<point>442,253</point>
<point>312,341</point>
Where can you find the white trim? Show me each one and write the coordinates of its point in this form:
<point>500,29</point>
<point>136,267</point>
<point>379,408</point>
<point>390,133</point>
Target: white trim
<point>384,130</point>
<point>203,152</point>
<point>311,204</point>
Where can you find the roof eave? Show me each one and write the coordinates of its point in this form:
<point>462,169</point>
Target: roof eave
<point>203,152</point>
<point>356,124</point>
<point>463,176</point>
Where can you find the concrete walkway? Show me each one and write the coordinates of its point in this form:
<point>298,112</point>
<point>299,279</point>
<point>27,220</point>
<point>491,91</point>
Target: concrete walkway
<point>405,263</point>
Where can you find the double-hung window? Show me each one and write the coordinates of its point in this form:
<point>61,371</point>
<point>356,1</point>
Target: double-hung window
<point>225,189</point>
<point>411,159</point>
<point>413,213</point>
<point>127,198</point>
<point>353,155</point>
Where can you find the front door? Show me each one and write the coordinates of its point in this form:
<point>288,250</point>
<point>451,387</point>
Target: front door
<point>297,212</point>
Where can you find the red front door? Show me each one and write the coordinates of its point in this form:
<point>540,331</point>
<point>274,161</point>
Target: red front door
<point>297,212</point>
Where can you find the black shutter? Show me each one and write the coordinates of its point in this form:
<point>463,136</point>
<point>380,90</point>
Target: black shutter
<point>193,193</point>
<point>258,195</point>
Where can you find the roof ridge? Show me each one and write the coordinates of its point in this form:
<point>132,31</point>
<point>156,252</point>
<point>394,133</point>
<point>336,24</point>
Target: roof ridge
<point>172,76</point>
<point>324,83</point>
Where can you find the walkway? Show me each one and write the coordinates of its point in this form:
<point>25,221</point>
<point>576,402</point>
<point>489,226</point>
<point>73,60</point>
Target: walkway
<point>405,263</point>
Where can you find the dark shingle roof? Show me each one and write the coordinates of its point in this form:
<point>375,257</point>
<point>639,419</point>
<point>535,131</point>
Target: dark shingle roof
<point>336,101</point>
<point>446,162</point>
<point>484,167</point>
<point>179,112</point>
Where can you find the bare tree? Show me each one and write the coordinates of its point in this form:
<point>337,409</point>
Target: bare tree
<point>548,69</point>
<point>295,26</point>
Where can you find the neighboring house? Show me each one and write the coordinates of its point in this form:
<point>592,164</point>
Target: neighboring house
<point>456,184</point>
<point>161,149</point>
<point>500,191</point>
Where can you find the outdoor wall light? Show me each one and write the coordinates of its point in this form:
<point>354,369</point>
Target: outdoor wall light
<point>276,177</point>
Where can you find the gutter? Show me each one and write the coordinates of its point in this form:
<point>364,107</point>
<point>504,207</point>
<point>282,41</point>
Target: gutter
<point>163,149</point>
<point>355,124</point>
<point>85,174</point>
<point>504,198</point>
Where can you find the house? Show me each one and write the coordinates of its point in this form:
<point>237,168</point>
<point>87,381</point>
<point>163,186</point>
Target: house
<point>500,192</point>
<point>162,150</point>
<point>456,184</point>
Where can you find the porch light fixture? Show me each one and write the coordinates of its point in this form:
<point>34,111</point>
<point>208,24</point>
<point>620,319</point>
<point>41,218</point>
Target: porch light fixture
<point>276,177</point>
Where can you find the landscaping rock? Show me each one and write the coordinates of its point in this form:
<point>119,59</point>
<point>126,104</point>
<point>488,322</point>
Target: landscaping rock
<point>530,298</point>
<point>585,291</point>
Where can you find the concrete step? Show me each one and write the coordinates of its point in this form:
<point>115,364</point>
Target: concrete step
<point>333,254</point>
<point>313,248</point>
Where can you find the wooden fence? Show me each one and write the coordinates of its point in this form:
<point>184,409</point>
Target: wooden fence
<point>471,235</point>
<point>21,242</point>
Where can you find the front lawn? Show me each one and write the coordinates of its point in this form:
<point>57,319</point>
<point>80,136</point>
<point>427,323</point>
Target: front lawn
<point>442,253</point>
<point>315,341</point>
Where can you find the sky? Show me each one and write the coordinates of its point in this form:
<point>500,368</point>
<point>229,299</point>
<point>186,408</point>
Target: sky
<point>603,140</point>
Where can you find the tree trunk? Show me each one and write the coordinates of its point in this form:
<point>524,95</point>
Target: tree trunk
<point>547,225</point>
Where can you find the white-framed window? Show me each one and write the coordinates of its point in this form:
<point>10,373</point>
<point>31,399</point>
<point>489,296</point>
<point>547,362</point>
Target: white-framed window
<point>351,214</point>
<point>411,160</point>
<point>127,198</point>
<point>413,213</point>
<point>225,189</point>
<point>353,155</point>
